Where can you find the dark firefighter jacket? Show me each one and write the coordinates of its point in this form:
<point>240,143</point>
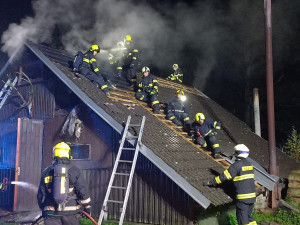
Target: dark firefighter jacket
<point>176,76</point>
<point>242,174</point>
<point>77,188</point>
<point>176,106</point>
<point>207,128</point>
<point>130,58</point>
<point>89,62</point>
<point>148,84</point>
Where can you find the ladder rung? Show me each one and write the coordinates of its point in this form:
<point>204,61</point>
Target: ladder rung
<point>125,161</point>
<point>132,137</point>
<point>123,174</point>
<point>135,125</point>
<point>117,187</point>
<point>114,201</point>
<point>132,149</point>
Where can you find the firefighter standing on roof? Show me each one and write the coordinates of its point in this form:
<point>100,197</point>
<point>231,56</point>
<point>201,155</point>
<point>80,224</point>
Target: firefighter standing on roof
<point>129,62</point>
<point>242,174</point>
<point>76,193</point>
<point>90,70</point>
<point>178,110</point>
<point>148,89</point>
<point>177,76</point>
<point>206,132</point>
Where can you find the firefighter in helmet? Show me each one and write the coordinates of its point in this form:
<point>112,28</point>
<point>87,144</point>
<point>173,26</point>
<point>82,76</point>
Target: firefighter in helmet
<point>242,174</point>
<point>178,110</point>
<point>128,64</point>
<point>206,133</point>
<point>177,75</point>
<point>90,70</point>
<point>148,89</point>
<point>62,192</point>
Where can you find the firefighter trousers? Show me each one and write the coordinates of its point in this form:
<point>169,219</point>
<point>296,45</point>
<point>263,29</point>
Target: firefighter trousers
<point>146,97</point>
<point>212,141</point>
<point>243,213</point>
<point>62,220</point>
<point>96,79</point>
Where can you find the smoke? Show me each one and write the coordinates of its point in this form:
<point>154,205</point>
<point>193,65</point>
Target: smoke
<point>197,35</point>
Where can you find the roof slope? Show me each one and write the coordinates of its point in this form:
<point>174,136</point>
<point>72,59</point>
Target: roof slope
<point>174,154</point>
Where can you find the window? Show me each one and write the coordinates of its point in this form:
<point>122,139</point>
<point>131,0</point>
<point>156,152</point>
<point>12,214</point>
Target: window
<point>80,152</point>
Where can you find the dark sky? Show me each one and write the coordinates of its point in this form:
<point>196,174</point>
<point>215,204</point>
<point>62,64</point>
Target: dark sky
<point>219,44</point>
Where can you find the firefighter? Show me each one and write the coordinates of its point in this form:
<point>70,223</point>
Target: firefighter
<point>76,194</point>
<point>148,89</point>
<point>177,76</point>
<point>206,132</point>
<point>178,111</point>
<point>90,69</point>
<point>129,62</point>
<point>242,174</point>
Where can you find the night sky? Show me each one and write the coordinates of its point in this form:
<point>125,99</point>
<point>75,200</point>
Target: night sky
<point>219,44</point>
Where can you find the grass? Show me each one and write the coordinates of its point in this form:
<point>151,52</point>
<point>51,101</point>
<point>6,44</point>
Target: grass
<point>282,217</point>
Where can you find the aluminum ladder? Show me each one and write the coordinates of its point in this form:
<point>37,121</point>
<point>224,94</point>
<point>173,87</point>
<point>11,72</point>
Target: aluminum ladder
<point>126,135</point>
<point>8,86</point>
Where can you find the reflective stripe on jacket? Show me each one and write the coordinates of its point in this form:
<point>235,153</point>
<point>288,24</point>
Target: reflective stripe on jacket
<point>242,174</point>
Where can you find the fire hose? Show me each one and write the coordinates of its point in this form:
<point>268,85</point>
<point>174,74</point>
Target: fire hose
<point>83,212</point>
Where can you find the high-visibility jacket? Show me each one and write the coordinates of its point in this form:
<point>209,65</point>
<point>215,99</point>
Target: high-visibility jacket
<point>130,58</point>
<point>148,84</point>
<point>176,106</point>
<point>78,190</point>
<point>89,62</point>
<point>176,76</point>
<point>207,128</point>
<point>242,174</point>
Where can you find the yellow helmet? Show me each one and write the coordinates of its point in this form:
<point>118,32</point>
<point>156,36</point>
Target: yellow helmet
<point>128,38</point>
<point>179,91</point>
<point>61,150</point>
<point>199,116</point>
<point>175,65</point>
<point>95,48</point>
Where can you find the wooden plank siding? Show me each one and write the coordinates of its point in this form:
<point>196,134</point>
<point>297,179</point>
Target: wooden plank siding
<point>28,163</point>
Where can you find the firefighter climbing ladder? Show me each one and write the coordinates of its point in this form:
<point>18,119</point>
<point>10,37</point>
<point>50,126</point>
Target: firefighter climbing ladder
<point>125,136</point>
<point>8,86</point>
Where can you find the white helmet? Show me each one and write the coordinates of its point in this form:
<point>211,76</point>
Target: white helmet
<point>145,69</point>
<point>241,151</point>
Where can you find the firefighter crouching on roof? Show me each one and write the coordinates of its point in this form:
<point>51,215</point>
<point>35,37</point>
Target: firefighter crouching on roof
<point>177,76</point>
<point>178,111</point>
<point>63,191</point>
<point>129,62</point>
<point>148,89</point>
<point>242,174</point>
<point>90,70</point>
<point>206,133</point>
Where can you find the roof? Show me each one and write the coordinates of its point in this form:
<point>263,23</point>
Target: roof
<point>163,144</point>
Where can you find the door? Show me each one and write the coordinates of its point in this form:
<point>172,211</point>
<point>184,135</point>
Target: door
<point>28,163</point>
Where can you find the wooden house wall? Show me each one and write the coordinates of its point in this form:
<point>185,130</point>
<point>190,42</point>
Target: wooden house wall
<point>43,103</point>
<point>28,163</point>
<point>101,154</point>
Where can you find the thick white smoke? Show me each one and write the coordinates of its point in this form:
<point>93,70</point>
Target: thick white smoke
<point>197,35</point>
<point>162,36</point>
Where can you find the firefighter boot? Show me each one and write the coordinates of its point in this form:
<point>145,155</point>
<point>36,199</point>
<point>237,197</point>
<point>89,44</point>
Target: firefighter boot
<point>156,108</point>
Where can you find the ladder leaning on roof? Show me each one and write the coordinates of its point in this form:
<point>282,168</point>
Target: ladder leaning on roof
<point>7,90</point>
<point>138,138</point>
